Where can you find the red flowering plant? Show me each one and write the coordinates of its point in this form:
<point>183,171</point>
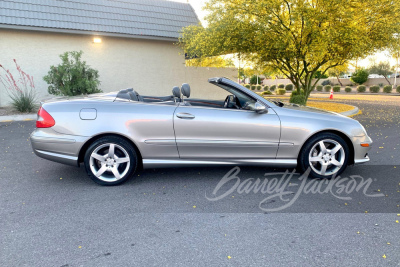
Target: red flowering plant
<point>21,90</point>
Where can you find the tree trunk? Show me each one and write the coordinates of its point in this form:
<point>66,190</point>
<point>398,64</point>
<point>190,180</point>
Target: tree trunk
<point>337,77</point>
<point>387,80</point>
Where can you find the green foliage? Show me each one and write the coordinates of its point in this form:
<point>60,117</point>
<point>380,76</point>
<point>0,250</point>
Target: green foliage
<point>258,87</point>
<point>381,85</point>
<point>281,85</point>
<point>289,87</point>
<point>24,100</point>
<point>267,92</point>
<point>253,79</point>
<point>398,89</point>
<point>326,82</point>
<point>382,68</point>
<point>298,98</point>
<point>374,89</point>
<point>319,75</point>
<point>360,76</point>
<point>253,87</point>
<point>266,88</point>
<point>319,88</point>
<point>280,91</point>
<point>273,87</point>
<point>247,86</point>
<point>327,88</point>
<point>348,89</point>
<point>387,89</point>
<point>72,77</point>
<point>336,88</point>
<point>361,88</point>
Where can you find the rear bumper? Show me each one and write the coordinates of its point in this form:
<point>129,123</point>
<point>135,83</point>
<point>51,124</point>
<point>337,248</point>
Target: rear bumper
<point>50,145</point>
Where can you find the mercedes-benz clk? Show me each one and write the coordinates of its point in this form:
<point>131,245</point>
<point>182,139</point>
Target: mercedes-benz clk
<point>116,134</point>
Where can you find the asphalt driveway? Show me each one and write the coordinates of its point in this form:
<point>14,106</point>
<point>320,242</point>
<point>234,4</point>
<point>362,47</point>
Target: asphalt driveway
<point>54,215</point>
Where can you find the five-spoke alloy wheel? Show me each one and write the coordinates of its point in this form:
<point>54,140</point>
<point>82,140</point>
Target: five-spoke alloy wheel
<point>326,155</point>
<point>110,160</point>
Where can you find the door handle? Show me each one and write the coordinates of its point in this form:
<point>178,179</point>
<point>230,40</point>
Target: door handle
<point>185,116</point>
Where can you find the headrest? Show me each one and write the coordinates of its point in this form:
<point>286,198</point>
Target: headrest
<point>176,91</point>
<point>185,90</point>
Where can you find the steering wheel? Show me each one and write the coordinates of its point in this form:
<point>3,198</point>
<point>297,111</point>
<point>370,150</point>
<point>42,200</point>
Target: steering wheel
<point>231,101</point>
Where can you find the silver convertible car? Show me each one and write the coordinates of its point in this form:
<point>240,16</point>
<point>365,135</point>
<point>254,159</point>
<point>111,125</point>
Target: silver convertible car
<point>116,134</point>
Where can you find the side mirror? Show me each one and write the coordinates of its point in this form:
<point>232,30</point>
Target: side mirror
<point>257,107</point>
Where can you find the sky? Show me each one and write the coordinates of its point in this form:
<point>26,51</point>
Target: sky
<point>381,56</point>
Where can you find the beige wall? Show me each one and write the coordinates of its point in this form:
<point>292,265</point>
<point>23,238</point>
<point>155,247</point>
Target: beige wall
<point>150,67</point>
<point>345,82</point>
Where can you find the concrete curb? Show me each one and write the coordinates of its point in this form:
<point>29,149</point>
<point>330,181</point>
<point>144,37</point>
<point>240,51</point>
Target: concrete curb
<point>25,117</point>
<point>352,112</point>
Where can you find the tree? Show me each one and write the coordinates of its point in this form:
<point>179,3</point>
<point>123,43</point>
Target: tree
<point>72,77</point>
<point>338,71</point>
<point>319,75</point>
<point>211,62</point>
<point>360,76</point>
<point>255,79</point>
<point>382,68</point>
<point>297,37</point>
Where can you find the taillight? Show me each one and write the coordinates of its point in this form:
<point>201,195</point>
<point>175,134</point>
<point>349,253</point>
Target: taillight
<point>44,120</point>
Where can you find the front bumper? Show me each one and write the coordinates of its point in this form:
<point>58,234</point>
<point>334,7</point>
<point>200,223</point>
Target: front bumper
<point>360,152</point>
<point>48,144</point>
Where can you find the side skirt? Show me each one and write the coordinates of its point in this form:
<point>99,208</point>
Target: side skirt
<point>162,163</point>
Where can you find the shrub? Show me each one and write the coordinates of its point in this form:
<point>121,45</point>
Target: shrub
<point>374,89</point>
<point>387,89</point>
<point>273,87</point>
<point>266,88</point>
<point>281,86</point>
<point>254,78</point>
<point>247,86</point>
<point>336,88</point>
<point>253,87</point>
<point>258,87</point>
<point>21,91</point>
<point>326,82</point>
<point>360,76</point>
<point>327,88</point>
<point>348,89</point>
<point>267,92</point>
<point>280,91</point>
<point>72,76</point>
<point>380,85</point>
<point>298,98</point>
<point>398,89</point>
<point>289,87</point>
<point>313,88</point>
<point>319,88</point>
<point>361,88</point>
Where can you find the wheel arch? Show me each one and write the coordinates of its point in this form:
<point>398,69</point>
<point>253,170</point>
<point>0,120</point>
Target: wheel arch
<point>86,145</point>
<point>344,136</point>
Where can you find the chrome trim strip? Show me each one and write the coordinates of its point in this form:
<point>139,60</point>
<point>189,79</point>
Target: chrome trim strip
<point>194,142</point>
<point>286,144</point>
<point>161,163</point>
<point>42,139</point>
<point>168,142</point>
<point>57,155</point>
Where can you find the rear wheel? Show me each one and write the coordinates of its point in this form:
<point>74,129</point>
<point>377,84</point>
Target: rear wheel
<point>110,160</point>
<point>326,155</point>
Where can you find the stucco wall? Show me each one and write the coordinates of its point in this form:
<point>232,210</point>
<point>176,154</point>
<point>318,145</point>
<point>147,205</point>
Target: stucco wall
<point>334,81</point>
<point>151,67</point>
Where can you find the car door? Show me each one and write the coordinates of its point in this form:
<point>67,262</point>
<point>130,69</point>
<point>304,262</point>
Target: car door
<point>218,133</point>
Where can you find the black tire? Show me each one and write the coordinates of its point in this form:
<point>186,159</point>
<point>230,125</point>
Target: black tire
<point>304,158</point>
<point>107,166</point>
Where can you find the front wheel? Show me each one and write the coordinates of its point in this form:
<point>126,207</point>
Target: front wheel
<point>326,155</point>
<point>110,160</point>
